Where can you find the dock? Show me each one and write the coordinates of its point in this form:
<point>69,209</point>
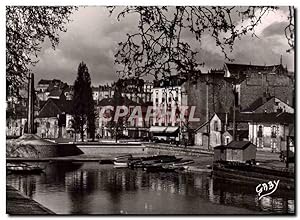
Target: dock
<point>18,204</point>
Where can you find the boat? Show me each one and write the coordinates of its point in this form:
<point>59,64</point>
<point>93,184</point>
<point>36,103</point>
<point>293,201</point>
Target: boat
<point>123,157</point>
<point>153,161</point>
<point>182,163</point>
<point>22,168</point>
<point>121,163</point>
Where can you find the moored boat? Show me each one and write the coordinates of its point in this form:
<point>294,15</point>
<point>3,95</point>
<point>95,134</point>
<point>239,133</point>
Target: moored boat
<point>123,157</point>
<point>123,163</point>
<point>153,161</point>
<point>182,163</point>
<point>22,168</point>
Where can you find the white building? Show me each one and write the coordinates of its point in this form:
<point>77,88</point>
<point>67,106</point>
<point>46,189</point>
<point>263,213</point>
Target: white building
<point>168,99</point>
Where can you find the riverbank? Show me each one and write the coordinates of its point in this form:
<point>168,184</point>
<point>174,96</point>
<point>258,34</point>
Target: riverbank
<point>18,204</point>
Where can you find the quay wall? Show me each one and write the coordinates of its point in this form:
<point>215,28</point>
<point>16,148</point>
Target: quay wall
<point>100,149</point>
<point>139,148</point>
<point>175,150</point>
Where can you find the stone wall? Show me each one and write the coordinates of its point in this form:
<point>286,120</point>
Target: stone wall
<point>100,149</point>
<point>211,90</point>
<point>280,86</point>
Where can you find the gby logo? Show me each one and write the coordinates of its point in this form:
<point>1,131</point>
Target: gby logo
<point>266,189</point>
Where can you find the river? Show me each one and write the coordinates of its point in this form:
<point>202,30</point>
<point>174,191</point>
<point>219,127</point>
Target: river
<point>91,188</point>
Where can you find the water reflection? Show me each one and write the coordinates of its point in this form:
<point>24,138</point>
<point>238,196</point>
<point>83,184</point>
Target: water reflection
<point>100,189</point>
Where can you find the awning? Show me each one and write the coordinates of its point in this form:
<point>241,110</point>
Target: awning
<point>157,129</point>
<point>163,129</point>
<point>171,129</point>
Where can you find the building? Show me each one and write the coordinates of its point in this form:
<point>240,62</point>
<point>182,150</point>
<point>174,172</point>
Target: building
<point>254,81</point>
<point>213,92</point>
<point>136,128</point>
<point>239,151</point>
<point>269,131</point>
<point>268,104</point>
<point>209,93</point>
<point>137,90</point>
<point>16,120</point>
<point>168,97</point>
<point>46,89</point>
<point>54,119</point>
<point>105,91</point>
<point>219,131</point>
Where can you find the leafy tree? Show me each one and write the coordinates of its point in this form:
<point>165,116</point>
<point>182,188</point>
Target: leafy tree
<point>83,103</point>
<point>116,126</point>
<point>26,28</point>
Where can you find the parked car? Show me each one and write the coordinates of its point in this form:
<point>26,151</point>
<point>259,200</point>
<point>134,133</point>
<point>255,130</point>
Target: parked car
<point>283,156</point>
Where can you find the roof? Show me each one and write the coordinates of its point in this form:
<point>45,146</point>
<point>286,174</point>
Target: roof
<point>53,107</point>
<point>239,133</point>
<point>275,117</point>
<point>236,145</point>
<point>257,103</point>
<point>55,93</point>
<point>113,101</point>
<point>169,81</point>
<point>241,69</point>
<point>44,81</point>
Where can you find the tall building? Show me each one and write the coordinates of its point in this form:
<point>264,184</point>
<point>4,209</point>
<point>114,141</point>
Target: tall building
<point>169,96</point>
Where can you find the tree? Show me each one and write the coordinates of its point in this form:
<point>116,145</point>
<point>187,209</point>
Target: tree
<point>83,103</point>
<point>26,28</point>
<point>116,126</point>
<point>159,47</point>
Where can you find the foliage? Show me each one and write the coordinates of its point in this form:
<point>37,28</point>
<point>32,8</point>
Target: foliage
<point>290,29</point>
<point>83,103</point>
<point>26,28</point>
<point>159,47</point>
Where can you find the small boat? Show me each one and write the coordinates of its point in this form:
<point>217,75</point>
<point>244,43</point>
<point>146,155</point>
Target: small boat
<point>153,161</point>
<point>121,163</point>
<point>182,163</point>
<point>22,168</point>
<point>123,157</point>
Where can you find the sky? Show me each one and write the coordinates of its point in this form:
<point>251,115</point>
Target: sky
<point>93,36</point>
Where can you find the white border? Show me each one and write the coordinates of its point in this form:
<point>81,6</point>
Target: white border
<point>111,2</point>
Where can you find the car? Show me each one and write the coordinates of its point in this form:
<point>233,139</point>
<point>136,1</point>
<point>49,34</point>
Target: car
<point>283,156</point>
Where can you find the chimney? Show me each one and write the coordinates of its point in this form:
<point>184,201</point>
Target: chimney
<point>31,104</point>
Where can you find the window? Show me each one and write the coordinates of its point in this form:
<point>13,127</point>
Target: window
<point>260,131</point>
<point>216,126</point>
<point>274,131</point>
<point>227,140</point>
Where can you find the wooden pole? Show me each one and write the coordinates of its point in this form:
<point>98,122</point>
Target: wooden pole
<point>287,151</point>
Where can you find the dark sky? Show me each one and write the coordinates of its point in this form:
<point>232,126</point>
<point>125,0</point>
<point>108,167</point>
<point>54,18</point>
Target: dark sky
<point>92,37</point>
